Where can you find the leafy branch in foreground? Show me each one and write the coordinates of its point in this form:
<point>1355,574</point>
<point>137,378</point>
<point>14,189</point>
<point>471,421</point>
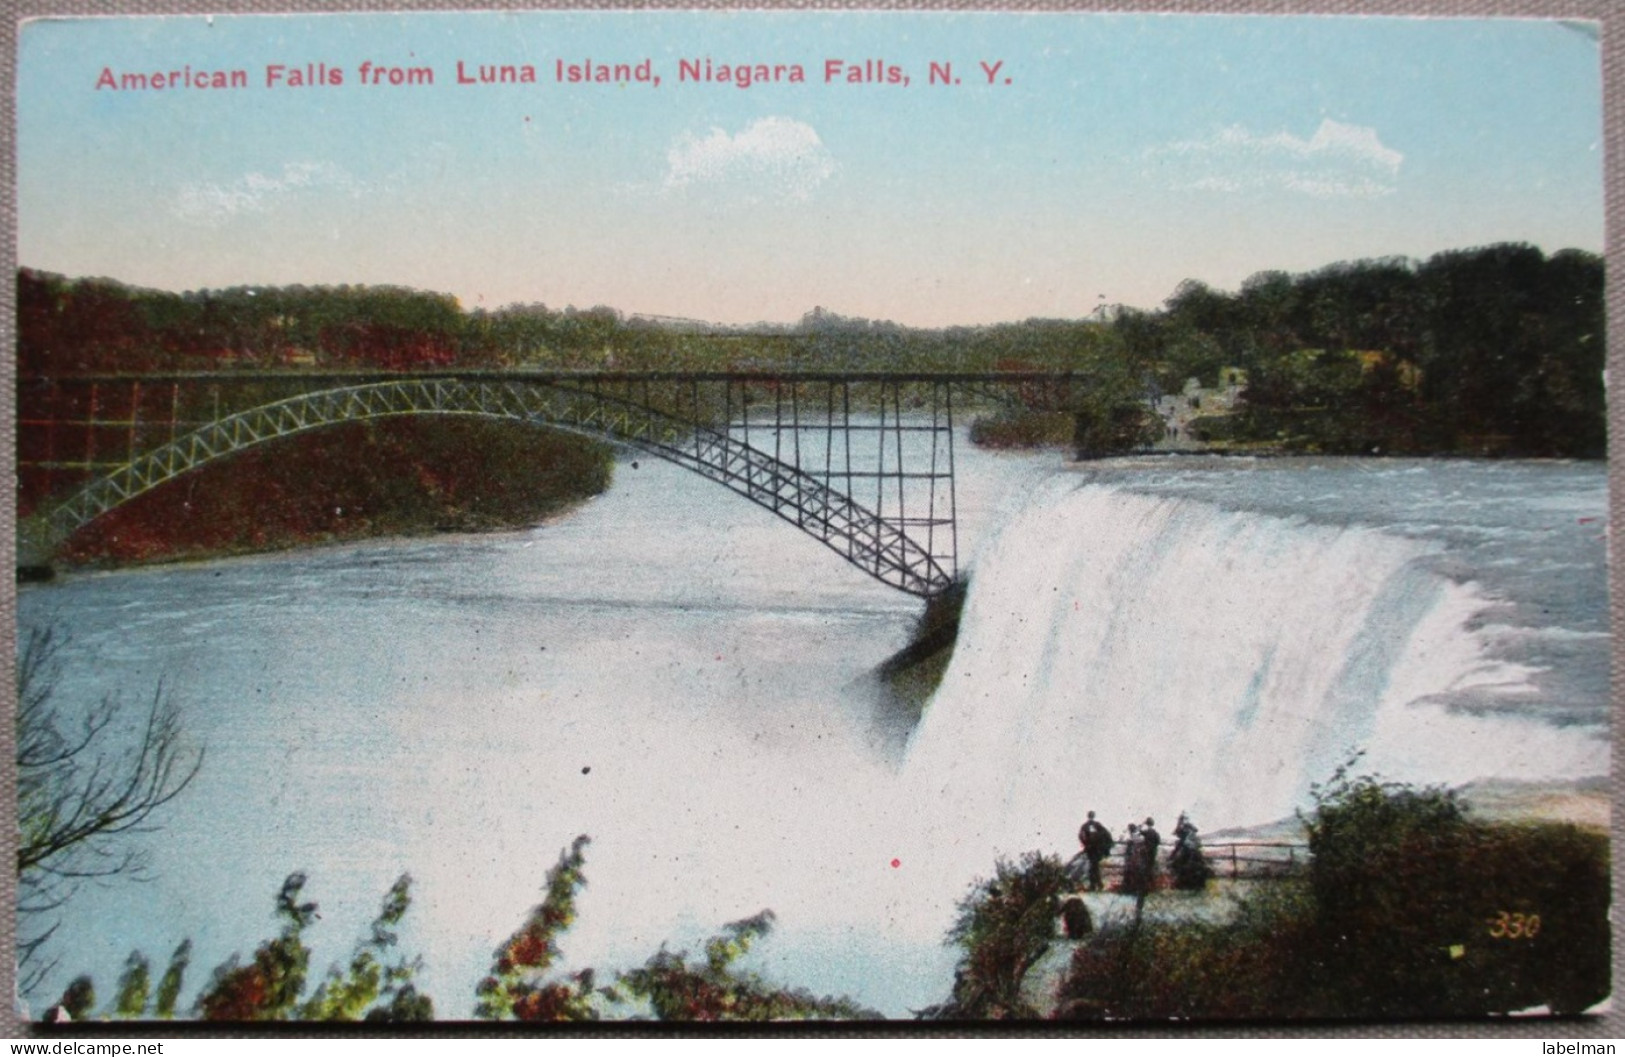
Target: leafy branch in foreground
<point>350,995</point>
<point>268,988</point>
<point>676,990</point>
<point>518,986</point>
<point>369,988</point>
<point>79,791</point>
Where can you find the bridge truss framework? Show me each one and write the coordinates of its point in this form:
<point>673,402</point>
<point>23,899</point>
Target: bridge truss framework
<point>864,463</point>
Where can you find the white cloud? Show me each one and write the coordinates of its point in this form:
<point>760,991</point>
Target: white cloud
<point>775,154</point>
<point>1338,161</point>
<point>255,192</point>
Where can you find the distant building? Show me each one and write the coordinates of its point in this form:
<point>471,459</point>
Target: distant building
<point>1177,411</point>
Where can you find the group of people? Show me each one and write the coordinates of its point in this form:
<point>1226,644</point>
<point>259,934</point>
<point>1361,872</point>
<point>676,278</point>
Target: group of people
<point>1141,841</point>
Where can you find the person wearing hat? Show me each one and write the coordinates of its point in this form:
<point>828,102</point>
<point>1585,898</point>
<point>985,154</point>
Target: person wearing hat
<point>1149,834</point>
<point>1097,844</point>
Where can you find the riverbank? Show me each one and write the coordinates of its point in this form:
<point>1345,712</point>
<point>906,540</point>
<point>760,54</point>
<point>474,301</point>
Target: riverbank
<point>365,480</point>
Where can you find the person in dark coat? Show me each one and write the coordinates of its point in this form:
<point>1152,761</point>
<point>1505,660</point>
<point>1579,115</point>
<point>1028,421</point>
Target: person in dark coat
<point>1186,862</point>
<point>1151,838</point>
<point>1133,882</point>
<point>1097,843</point>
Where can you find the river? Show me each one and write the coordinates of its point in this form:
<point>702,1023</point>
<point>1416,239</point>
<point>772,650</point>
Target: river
<point>681,675</point>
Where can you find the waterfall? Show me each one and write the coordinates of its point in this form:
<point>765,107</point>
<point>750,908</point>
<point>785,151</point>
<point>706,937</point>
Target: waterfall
<point>1141,655</point>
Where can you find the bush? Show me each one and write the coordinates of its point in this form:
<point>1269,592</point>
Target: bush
<point>1022,429</point>
<point>677,990</point>
<point>1005,925</point>
<point>1423,912</point>
<point>1246,969</point>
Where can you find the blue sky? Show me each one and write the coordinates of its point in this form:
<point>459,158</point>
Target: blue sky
<point>1126,153</point>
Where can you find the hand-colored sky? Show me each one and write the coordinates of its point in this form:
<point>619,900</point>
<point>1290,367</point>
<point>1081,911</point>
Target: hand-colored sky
<point>1126,153</point>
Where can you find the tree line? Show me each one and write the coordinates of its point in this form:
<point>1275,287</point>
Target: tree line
<point>1497,350</point>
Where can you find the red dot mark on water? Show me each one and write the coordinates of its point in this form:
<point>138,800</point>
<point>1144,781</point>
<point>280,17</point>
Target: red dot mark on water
<point>719,656</point>
<point>895,863</point>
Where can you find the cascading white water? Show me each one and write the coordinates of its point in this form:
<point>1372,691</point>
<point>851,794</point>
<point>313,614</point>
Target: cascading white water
<point>1141,655</point>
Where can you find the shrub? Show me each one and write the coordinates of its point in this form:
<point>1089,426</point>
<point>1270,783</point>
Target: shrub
<point>1423,912</point>
<point>715,990</point>
<point>1005,925</point>
<point>1193,969</point>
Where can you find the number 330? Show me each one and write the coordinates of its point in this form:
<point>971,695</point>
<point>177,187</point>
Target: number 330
<point>1505,926</point>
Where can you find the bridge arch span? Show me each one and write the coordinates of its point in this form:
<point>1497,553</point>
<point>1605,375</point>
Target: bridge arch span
<point>878,545</point>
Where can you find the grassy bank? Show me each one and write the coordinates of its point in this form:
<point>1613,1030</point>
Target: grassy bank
<point>392,477</point>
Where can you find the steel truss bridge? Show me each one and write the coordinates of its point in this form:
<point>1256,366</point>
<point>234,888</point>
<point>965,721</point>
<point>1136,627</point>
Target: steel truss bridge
<point>862,462</point>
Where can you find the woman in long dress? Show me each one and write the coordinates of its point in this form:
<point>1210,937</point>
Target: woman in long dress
<point>1134,872</point>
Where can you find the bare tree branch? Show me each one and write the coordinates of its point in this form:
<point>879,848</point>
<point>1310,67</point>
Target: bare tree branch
<point>79,792</point>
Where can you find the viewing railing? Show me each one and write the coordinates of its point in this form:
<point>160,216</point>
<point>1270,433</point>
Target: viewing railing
<point>1229,860</point>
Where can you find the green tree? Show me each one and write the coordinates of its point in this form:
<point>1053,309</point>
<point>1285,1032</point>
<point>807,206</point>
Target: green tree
<point>169,987</point>
<point>1004,925</point>
<point>79,998</point>
<point>1422,911</point>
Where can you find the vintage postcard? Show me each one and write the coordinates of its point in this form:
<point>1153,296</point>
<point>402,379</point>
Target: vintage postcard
<point>700,515</point>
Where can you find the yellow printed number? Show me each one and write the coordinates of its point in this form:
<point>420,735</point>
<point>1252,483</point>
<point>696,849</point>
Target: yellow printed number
<point>1510,926</point>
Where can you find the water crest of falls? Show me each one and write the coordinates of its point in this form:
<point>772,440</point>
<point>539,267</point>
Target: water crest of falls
<point>1143,655</point>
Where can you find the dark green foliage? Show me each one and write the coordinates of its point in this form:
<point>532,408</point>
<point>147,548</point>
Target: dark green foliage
<point>1411,895</point>
<point>79,998</point>
<point>1103,428</point>
<point>1497,350</point>
<point>677,990</point>
<point>1249,968</point>
<point>1005,924</point>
